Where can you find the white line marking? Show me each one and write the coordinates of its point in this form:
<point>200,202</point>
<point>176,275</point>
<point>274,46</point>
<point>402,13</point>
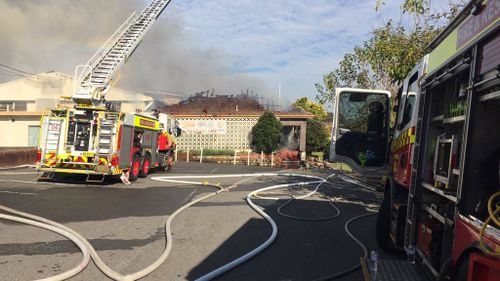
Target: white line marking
<point>18,173</point>
<point>20,193</point>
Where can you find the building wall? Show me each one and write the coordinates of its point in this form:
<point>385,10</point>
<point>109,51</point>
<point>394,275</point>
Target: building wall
<point>39,93</point>
<point>237,135</point>
<point>15,130</point>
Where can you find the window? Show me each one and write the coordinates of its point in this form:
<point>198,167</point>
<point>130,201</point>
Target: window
<point>409,106</point>
<point>362,113</point>
<point>33,133</point>
<point>13,105</point>
<point>411,96</point>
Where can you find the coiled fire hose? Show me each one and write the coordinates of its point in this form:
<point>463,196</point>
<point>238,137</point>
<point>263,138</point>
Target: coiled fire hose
<point>492,218</point>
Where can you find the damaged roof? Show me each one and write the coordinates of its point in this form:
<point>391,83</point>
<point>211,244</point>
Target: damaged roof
<point>225,105</point>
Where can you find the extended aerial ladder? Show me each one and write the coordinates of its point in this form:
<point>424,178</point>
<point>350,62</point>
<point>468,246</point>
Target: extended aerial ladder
<point>92,80</point>
<point>95,140</point>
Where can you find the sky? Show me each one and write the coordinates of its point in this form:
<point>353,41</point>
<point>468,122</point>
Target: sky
<point>196,45</point>
<point>292,43</point>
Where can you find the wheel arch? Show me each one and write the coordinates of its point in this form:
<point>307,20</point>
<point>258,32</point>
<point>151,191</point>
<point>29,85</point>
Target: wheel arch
<point>471,249</point>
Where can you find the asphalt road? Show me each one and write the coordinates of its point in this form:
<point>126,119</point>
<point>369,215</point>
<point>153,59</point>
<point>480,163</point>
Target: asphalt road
<point>125,224</point>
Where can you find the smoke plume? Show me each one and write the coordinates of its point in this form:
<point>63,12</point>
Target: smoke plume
<point>38,36</point>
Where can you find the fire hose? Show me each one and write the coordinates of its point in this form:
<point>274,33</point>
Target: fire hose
<point>493,217</point>
<point>87,249</point>
<point>80,243</point>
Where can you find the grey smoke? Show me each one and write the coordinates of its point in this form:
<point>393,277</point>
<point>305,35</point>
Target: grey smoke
<point>38,36</point>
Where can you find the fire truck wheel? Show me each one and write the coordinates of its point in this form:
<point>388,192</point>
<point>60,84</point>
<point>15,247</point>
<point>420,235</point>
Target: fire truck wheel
<point>146,163</point>
<point>135,168</point>
<point>383,226</point>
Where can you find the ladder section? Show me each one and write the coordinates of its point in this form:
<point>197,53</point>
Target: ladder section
<point>411,211</point>
<point>105,139</point>
<point>98,71</point>
<point>53,135</point>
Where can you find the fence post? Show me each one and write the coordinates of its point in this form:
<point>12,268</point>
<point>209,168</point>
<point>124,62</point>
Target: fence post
<point>201,155</point>
<point>248,157</point>
<point>272,159</point>
<point>175,154</point>
<point>262,158</point>
<point>187,155</point>
<point>234,159</point>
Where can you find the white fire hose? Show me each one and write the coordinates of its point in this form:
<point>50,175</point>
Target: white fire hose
<point>87,248</point>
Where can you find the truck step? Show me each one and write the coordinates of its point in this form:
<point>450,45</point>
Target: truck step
<point>95,178</point>
<point>394,270</point>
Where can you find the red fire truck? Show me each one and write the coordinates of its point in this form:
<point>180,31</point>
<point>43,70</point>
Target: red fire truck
<point>101,143</point>
<point>441,199</point>
<point>93,139</point>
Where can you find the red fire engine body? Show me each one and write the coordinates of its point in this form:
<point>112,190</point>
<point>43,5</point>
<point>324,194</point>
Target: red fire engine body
<point>443,169</point>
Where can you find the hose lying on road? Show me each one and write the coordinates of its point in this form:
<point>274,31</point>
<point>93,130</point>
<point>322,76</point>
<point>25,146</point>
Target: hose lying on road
<point>81,244</point>
<point>87,248</point>
<point>263,246</point>
<point>17,167</point>
<point>363,247</point>
<point>319,181</point>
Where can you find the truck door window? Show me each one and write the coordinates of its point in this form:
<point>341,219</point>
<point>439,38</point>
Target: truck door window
<point>362,116</point>
<point>362,123</point>
<point>409,106</point>
<point>411,96</point>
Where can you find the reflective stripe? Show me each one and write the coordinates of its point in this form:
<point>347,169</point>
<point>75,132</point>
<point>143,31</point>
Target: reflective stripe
<point>102,161</point>
<point>405,138</point>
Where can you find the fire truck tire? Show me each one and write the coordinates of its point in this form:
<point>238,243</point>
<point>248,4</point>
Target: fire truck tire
<point>146,164</point>
<point>383,225</point>
<point>135,168</point>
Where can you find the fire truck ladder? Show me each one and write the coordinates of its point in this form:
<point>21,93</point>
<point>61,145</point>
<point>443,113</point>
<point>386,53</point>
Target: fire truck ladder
<point>92,79</point>
<point>104,146</point>
<point>105,139</point>
<point>412,208</point>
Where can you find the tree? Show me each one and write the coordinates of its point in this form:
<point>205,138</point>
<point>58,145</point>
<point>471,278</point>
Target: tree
<point>317,137</point>
<point>384,60</point>
<point>316,109</point>
<point>266,133</point>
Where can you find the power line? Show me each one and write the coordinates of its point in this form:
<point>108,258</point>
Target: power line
<point>28,75</point>
<point>10,74</point>
<point>16,69</point>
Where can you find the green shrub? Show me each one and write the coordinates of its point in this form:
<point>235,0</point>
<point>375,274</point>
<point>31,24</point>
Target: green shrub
<point>266,133</point>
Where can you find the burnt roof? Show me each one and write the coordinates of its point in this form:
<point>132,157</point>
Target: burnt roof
<point>225,105</point>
